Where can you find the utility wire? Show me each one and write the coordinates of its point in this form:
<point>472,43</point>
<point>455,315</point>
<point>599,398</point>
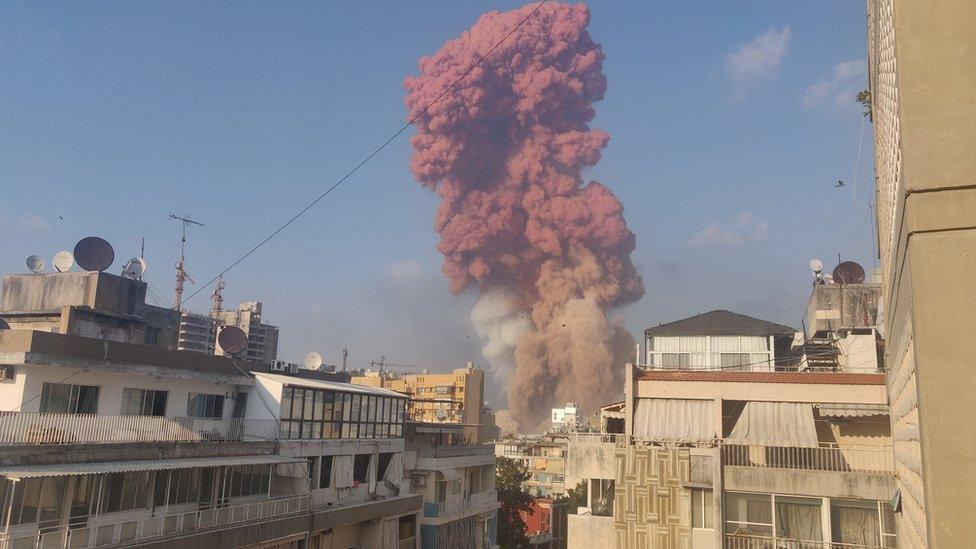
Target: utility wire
<point>368,157</point>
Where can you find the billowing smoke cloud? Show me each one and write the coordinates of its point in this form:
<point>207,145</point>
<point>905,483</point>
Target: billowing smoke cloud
<point>548,253</point>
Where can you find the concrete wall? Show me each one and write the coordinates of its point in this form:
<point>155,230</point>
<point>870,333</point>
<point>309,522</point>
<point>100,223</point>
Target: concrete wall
<point>589,459</point>
<point>832,484</point>
<point>923,83</point>
<point>589,532</point>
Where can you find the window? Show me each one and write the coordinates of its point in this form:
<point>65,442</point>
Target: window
<point>35,499</point>
<point>125,491</point>
<point>183,486</point>
<point>309,413</point>
<point>735,359</point>
<point>69,399</point>
<point>383,464</point>
<point>676,359</point>
<point>440,491</point>
<point>748,514</point>
<point>206,406</point>
<point>7,374</point>
<point>407,529</point>
<point>857,522</point>
<point>325,472</point>
<point>248,480</point>
<point>143,402</point>
<point>152,336</point>
<point>798,518</point>
<point>361,468</point>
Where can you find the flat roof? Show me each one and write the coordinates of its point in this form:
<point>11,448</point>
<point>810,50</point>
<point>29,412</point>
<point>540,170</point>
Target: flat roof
<point>331,385</point>
<point>815,378</point>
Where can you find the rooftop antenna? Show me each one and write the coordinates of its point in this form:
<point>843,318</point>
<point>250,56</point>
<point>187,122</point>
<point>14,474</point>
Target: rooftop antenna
<point>181,275</point>
<point>345,357</point>
<point>218,297</point>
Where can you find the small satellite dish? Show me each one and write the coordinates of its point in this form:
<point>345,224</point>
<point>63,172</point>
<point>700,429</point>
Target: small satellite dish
<point>848,272</point>
<point>135,268</point>
<point>816,266</point>
<point>312,361</point>
<point>94,254</point>
<point>232,339</point>
<point>63,261</point>
<point>35,264</point>
<point>441,414</point>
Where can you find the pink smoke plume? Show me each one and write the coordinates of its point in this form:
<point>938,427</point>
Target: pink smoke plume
<point>548,253</point>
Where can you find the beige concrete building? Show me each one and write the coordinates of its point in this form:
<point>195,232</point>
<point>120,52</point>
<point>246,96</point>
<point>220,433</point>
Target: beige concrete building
<point>262,339</point>
<point>922,58</point>
<point>454,397</point>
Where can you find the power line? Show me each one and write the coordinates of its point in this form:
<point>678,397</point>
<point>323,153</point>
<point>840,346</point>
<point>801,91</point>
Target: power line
<point>367,158</point>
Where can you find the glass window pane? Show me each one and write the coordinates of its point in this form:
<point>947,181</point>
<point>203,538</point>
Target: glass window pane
<point>309,409</point>
<point>346,407</point>
<point>854,522</point>
<point>355,408</point>
<point>798,518</point>
<point>286,396</point>
<point>748,514</point>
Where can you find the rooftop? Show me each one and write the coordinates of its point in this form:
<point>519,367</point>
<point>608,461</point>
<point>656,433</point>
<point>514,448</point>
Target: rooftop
<point>817,378</point>
<point>720,322</point>
<point>331,385</point>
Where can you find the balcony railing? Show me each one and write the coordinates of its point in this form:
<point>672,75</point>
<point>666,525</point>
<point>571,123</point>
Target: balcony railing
<point>745,541</point>
<point>861,459</point>
<point>44,428</point>
<point>147,528</point>
<point>596,437</point>
<point>456,451</point>
<point>473,503</point>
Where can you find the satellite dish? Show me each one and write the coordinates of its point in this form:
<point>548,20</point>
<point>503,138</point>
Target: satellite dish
<point>94,254</point>
<point>135,268</point>
<point>312,361</point>
<point>63,261</point>
<point>816,265</point>
<point>35,264</point>
<point>232,339</point>
<point>441,414</point>
<point>848,272</point>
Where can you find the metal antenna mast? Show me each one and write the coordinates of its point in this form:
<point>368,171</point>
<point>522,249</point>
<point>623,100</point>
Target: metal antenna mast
<point>181,275</point>
<point>218,298</point>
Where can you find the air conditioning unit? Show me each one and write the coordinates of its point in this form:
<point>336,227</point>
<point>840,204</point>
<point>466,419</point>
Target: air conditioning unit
<point>418,480</point>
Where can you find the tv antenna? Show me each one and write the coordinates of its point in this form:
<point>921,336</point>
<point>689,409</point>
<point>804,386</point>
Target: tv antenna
<point>181,274</point>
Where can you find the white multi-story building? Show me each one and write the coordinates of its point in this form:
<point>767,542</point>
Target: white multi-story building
<point>566,417</point>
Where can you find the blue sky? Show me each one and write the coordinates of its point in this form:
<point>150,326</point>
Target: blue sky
<point>729,123</point>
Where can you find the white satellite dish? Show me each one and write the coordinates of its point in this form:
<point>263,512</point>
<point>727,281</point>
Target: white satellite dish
<point>441,414</point>
<point>63,261</point>
<point>816,265</point>
<point>35,264</point>
<point>135,268</point>
<point>312,361</point>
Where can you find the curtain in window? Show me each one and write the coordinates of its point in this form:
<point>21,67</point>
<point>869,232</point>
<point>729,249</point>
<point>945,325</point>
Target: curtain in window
<point>669,344</point>
<point>391,531</point>
<point>854,523</point>
<point>725,343</point>
<point>775,424</point>
<point>342,471</point>
<point>674,419</point>
<point>394,471</point>
<point>798,518</point>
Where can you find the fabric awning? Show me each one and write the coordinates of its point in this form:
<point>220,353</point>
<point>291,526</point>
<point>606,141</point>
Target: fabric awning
<point>449,474</point>
<point>674,420</point>
<point>70,469</point>
<point>775,424</point>
<point>852,410</point>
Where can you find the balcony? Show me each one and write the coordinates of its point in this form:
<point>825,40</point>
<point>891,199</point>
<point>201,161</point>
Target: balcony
<point>856,459</point>
<point>151,528</point>
<point>26,428</point>
<point>745,541</point>
<point>475,503</point>
<point>456,451</point>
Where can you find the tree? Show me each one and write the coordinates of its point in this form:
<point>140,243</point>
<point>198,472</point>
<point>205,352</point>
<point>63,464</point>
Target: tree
<point>864,98</point>
<point>509,476</point>
<point>576,497</point>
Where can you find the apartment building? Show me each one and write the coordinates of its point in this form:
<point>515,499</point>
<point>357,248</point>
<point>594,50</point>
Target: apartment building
<point>198,333</point>
<point>567,418</point>
<point>744,456</point>
<point>262,339</point>
<point>922,75</point>
<point>454,397</point>
<point>543,457</point>
<point>457,481</point>
<point>105,443</point>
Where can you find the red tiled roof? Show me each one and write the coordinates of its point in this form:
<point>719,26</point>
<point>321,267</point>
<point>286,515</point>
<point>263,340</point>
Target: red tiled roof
<point>819,378</point>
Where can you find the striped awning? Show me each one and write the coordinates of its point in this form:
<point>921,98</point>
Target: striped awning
<point>852,410</point>
<point>70,469</point>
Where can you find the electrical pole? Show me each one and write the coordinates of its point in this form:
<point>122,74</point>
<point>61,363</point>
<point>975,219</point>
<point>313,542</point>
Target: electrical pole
<point>181,275</point>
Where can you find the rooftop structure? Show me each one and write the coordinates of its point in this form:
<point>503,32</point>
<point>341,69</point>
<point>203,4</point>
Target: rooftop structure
<point>544,458</point>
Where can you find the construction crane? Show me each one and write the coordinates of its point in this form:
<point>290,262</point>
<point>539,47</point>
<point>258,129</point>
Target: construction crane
<point>383,366</point>
<point>181,274</point>
<point>217,298</point>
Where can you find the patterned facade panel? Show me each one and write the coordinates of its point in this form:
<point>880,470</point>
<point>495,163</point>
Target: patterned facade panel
<point>652,509</point>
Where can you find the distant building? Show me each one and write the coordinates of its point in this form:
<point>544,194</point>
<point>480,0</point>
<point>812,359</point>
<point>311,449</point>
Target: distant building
<point>197,333</point>
<point>88,304</point>
<point>544,458</point>
<point>545,523</point>
<point>454,397</point>
<point>567,417</point>
<point>262,339</point>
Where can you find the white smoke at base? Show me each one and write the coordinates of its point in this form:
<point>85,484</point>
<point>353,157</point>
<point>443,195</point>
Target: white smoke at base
<point>499,323</point>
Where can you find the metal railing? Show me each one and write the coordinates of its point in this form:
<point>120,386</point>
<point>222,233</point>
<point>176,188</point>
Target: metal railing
<point>749,541</point>
<point>47,428</point>
<point>474,502</point>
<point>456,451</point>
<point>172,525</point>
<point>861,459</point>
<point>596,437</point>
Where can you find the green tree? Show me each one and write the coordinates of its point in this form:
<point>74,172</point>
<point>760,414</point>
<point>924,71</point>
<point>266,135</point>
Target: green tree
<point>864,99</point>
<point>575,497</point>
<point>509,476</point>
